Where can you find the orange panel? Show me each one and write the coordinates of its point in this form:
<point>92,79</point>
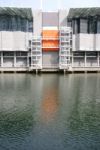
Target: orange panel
<point>50,34</point>
<point>50,43</point>
<point>50,49</point>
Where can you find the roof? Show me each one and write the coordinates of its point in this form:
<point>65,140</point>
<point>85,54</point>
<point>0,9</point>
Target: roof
<point>84,12</point>
<point>25,13</point>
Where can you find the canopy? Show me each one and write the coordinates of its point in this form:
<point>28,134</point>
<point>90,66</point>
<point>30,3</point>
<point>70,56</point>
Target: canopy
<point>25,13</point>
<point>84,13</point>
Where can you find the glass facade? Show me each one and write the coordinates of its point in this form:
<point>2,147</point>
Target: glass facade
<point>83,26</point>
<point>9,23</point>
<point>90,26</point>
<point>98,27</point>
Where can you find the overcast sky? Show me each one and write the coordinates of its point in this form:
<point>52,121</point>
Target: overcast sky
<point>50,5</point>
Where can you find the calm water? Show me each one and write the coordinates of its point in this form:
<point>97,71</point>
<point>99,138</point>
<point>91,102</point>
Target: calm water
<point>49,112</point>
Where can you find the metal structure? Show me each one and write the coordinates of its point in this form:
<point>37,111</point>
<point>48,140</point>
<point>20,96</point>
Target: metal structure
<point>36,53</point>
<point>65,47</point>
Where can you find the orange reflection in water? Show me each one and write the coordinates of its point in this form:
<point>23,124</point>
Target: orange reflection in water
<point>49,105</point>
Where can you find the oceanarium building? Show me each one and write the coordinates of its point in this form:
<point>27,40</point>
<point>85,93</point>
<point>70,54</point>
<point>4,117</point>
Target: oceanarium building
<point>66,40</point>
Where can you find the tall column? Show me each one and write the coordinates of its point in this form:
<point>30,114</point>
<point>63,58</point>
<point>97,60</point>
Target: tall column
<point>72,59</point>
<point>98,59</point>
<point>27,60</point>
<point>85,60</point>
<point>15,59</point>
<point>1,59</point>
<point>31,52</point>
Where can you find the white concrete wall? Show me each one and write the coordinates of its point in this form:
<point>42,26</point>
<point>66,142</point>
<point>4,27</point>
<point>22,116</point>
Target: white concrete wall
<point>86,42</point>
<point>17,40</point>
<point>98,42</point>
<point>75,42</point>
<point>63,17</point>
<point>37,22</point>
<point>29,35</point>
<point>7,42</point>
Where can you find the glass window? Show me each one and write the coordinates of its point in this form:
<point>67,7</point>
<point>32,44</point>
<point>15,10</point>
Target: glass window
<point>76,26</point>
<point>9,23</point>
<point>83,26</point>
<point>69,24</point>
<point>98,27</point>
<point>30,26</point>
<point>92,26</point>
<point>23,25</point>
<point>8,53</point>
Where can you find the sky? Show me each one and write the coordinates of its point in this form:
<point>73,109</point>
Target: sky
<point>50,5</point>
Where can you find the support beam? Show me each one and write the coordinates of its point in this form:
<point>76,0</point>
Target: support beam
<point>36,71</point>
<point>98,59</point>
<point>27,60</point>
<point>1,59</point>
<point>15,59</point>
<point>72,59</point>
<point>85,60</point>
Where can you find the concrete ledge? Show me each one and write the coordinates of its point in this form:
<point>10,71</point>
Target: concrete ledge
<point>49,70</point>
<point>86,69</point>
<point>13,70</point>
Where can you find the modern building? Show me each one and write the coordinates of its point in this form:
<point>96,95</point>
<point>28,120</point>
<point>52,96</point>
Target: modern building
<point>66,40</point>
<point>85,23</point>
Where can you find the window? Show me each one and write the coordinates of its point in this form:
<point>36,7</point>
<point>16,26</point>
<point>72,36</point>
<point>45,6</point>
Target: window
<point>98,27</point>
<point>8,53</point>
<point>69,24</point>
<point>92,26</point>
<point>23,25</point>
<point>76,26</point>
<point>3,23</point>
<point>30,26</point>
<point>83,26</point>
<point>9,23</point>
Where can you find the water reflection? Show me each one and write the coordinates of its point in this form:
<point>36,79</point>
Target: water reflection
<point>17,111</point>
<point>49,104</point>
<point>83,123</point>
<point>49,112</point>
<point>85,113</point>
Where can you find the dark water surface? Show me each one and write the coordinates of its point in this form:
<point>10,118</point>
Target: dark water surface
<point>49,112</point>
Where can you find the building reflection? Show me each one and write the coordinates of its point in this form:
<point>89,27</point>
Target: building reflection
<point>49,104</point>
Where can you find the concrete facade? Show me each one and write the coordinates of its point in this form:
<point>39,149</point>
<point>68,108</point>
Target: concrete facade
<point>37,23</point>
<point>78,49</point>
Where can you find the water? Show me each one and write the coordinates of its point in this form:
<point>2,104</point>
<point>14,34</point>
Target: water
<point>49,112</point>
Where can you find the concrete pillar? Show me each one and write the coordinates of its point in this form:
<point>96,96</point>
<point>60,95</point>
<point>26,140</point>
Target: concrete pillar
<point>27,60</point>
<point>85,60</point>
<point>1,59</point>
<point>98,59</point>
<point>14,59</point>
<point>72,59</point>
<point>36,71</point>
<point>31,53</point>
